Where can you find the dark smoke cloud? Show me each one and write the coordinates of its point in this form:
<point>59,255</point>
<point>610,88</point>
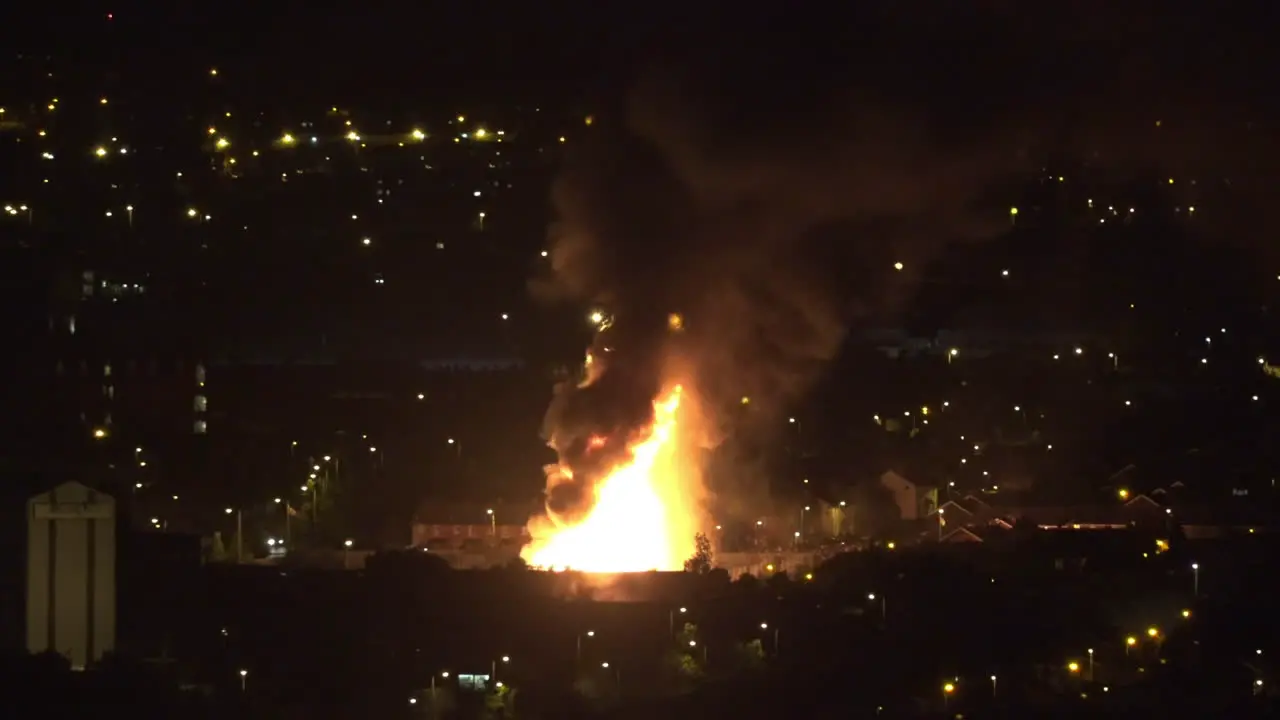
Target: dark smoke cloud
<point>748,232</point>
<point>767,201</point>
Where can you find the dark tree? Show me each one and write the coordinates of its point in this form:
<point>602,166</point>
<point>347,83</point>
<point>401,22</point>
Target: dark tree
<point>700,563</point>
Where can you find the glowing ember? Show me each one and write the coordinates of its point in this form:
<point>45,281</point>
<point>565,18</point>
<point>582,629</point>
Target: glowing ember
<point>641,518</point>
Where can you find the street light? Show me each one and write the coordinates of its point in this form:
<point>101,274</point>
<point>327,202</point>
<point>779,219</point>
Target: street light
<point>493,666</point>
<point>239,533</point>
<point>947,690</point>
<point>243,675</point>
<point>443,674</point>
<point>493,522</point>
<point>578,655</point>
<point>883,600</point>
<point>671,620</point>
<point>765,626</point>
<point>1195,579</point>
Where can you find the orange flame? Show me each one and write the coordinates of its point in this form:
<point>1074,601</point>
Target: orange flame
<point>641,518</point>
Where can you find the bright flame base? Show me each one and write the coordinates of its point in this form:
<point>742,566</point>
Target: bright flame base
<point>642,517</point>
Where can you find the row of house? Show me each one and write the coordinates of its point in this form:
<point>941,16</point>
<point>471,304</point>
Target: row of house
<point>965,519</point>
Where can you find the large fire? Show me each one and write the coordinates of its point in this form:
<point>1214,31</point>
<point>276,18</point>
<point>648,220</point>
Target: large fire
<point>642,515</point>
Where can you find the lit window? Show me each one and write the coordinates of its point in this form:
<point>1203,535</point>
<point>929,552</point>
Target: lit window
<point>202,403</point>
<point>201,427</point>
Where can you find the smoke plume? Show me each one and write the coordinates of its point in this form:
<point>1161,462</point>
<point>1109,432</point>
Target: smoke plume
<point>765,240</point>
<point>769,215</point>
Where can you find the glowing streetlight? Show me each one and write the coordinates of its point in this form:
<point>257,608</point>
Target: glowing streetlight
<point>671,620</point>
<point>872,598</point>
<point>578,639</point>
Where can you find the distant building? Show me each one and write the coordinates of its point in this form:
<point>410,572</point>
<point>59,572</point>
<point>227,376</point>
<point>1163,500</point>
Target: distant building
<point>71,573</point>
<point>961,535</point>
<point>436,537</point>
<point>440,525</point>
<point>914,501</point>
